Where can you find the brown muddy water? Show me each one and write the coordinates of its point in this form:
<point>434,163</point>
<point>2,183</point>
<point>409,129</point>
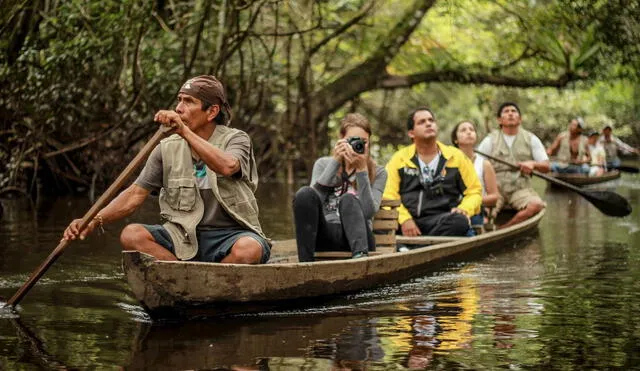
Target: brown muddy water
<point>566,297</point>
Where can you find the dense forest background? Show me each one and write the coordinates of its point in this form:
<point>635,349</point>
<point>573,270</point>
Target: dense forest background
<point>81,79</point>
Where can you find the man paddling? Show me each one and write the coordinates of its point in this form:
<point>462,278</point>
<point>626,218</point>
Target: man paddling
<point>206,176</point>
<point>516,145</point>
<point>571,150</point>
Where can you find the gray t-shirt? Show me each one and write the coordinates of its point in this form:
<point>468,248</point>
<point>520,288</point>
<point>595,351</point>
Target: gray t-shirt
<point>215,217</point>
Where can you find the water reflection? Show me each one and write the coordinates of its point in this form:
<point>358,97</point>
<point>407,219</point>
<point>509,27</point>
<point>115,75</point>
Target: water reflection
<point>252,343</point>
<point>32,349</point>
<point>564,298</point>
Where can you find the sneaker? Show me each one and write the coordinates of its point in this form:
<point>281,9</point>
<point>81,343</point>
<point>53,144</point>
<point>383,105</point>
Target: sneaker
<point>359,255</point>
<point>403,249</point>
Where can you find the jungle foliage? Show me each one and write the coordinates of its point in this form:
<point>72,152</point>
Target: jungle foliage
<point>81,79</point>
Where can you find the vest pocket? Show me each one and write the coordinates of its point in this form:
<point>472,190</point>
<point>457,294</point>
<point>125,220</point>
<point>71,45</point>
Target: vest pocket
<point>522,153</point>
<point>245,208</point>
<point>181,194</point>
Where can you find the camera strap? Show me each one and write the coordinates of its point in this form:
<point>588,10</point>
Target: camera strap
<point>346,179</point>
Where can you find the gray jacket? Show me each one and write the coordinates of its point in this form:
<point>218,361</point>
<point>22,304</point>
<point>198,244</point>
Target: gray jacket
<point>325,178</point>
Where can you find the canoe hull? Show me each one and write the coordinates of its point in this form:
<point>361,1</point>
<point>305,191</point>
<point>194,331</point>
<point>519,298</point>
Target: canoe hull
<point>583,180</point>
<point>194,288</point>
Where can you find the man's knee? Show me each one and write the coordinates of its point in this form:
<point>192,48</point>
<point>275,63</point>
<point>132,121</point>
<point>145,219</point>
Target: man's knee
<point>246,250</point>
<point>459,223</point>
<point>132,235</point>
<point>535,206</point>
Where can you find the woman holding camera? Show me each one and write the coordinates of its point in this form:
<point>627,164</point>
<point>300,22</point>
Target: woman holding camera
<point>335,213</point>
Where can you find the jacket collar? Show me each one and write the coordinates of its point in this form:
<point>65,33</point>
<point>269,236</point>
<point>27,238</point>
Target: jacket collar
<point>410,152</point>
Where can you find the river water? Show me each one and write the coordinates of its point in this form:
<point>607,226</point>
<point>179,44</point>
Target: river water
<point>566,297</point>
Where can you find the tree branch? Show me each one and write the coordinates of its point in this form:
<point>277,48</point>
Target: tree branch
<point>463,77</point>
<point>196,44</point>
<point>341,29</point>
<point>365,76</point>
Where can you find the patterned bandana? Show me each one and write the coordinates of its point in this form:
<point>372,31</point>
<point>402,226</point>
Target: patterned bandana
<point>210,90</point>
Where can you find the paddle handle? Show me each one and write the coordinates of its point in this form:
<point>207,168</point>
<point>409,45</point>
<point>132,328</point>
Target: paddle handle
<point>534,172</point>
<point>93,211</point>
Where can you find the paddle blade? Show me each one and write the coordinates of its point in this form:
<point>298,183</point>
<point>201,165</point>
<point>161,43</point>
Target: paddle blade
<point>610,203</point>
<point>628,169</point>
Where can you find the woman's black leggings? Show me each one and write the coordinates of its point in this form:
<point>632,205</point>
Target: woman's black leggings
<point>313,233</point>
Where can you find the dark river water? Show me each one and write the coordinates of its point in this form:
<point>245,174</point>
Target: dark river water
<point>566,297</point>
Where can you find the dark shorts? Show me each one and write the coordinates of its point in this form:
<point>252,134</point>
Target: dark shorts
<point>213,244</point>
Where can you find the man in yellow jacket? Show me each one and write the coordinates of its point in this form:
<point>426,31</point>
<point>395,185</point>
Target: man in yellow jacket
<point>436,183</point>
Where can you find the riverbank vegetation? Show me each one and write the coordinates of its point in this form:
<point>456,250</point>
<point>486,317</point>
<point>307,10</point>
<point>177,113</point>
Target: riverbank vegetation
<point>81,79</point>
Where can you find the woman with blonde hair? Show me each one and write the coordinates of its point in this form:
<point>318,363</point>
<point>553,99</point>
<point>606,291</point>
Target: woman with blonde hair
<point>335,212</point>
<point>464,136</point>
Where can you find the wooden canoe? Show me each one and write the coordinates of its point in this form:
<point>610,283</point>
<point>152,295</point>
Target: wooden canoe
<point>191,289</point>
<point>585,179</point>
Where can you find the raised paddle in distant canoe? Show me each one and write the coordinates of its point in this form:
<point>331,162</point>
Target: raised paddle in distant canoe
<point>609,203</point>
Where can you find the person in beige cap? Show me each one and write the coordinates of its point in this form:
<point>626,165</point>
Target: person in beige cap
<point>612,145</point>
<point>206,177</point>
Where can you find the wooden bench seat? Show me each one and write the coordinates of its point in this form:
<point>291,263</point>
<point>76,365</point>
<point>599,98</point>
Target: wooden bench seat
<point>426,240</point>
<point>385,225</point>
<point>323,255</point>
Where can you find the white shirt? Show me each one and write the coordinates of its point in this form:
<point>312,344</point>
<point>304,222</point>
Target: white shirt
<point>478,164</point>
<point>429,170</point>
<point>598,155</point>
<point>622,146</point>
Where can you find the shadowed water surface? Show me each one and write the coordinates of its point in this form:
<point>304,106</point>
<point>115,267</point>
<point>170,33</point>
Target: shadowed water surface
<point>566,297</point>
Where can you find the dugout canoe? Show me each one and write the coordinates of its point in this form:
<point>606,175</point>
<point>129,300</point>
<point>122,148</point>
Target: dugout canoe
<point>192,289</point>
<point>584,179</point>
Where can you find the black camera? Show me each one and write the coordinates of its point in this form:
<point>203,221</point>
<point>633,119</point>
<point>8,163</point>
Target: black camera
<point>358,144</point>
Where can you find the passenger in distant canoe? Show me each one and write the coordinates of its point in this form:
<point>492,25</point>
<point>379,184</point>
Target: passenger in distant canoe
<point>598,155</point>
<point>612,145</point>
<point>206,176</point>
<point>436,183</point>
<point>336,211</point>
<point>464,136</point>
<point>570,149</point>
<point>516,145</point>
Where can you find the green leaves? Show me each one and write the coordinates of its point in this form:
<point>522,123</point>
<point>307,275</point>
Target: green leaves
<point>569,52</point>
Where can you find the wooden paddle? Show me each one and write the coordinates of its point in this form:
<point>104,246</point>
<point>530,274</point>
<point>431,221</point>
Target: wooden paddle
<point>609,203</point>
<point>93,211</point>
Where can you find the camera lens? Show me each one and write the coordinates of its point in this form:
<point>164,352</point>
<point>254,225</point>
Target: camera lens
<point>358,147</point>
<point>358,144</point>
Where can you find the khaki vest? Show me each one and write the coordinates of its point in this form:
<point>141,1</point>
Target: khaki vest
<point>510,180</point>
<point>564,152</point>
<point>180,202</point>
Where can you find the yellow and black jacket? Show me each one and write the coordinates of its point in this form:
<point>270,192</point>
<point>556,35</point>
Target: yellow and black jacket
<point>456,184</point>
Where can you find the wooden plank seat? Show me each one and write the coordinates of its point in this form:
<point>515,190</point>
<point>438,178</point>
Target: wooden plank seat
<point>326,255</point>
<point>385,225</point>
<point>426,240</point>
